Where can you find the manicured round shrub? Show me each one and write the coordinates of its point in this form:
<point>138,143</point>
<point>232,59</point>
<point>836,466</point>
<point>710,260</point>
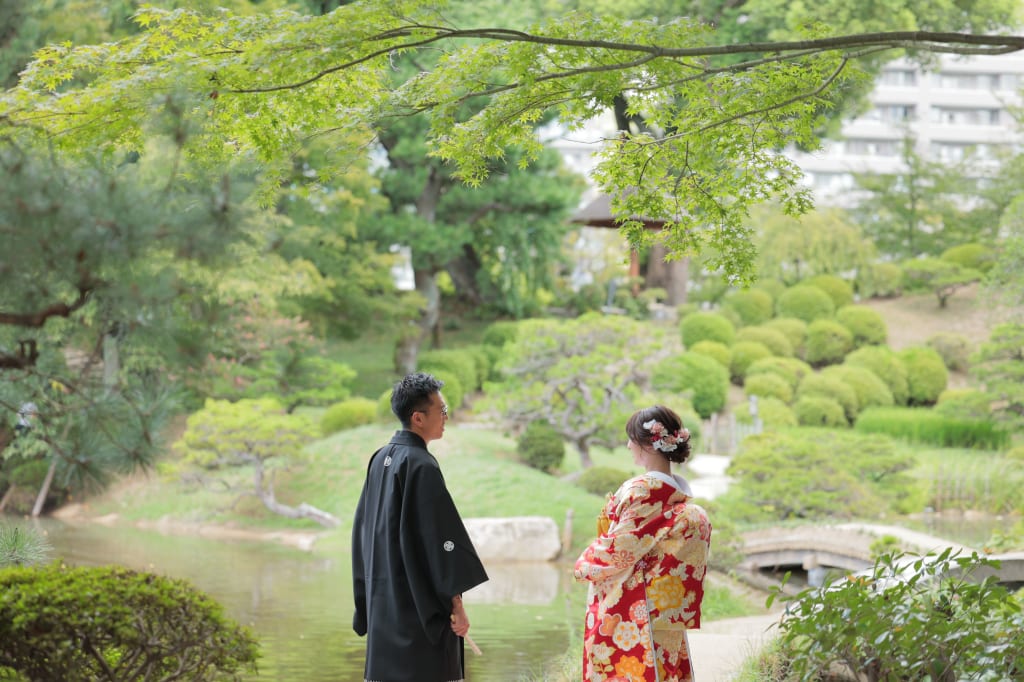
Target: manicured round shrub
<point>715,350</point>
<point>452,390</point>
<point>772,287</point>
<point>816,410</point>
<point>927,375</point>
<point>791,370</point>
<point>705,326</point>
<point>838,289</point>
<point>456,362</point>
<point>768,386</point>
<point>964,403</point>
<point>954,349</point>
<point>80,624</point>
<point>348,414</point>
<point>871,391</point>
<point>866,325</point>
<point>795,331</point>
<point>499,333</point>
<point>773,413</point>
<point>886,365</point>
<point>699,377</point>
<point>773,339</point>
<point>806,303</point>
<point>744,354</point>
<point>752,306</point>
<point>828,342</point>
<point>819,385</point>
<point>540,446</point>
<point>602,480</point>
<point>971,256</point>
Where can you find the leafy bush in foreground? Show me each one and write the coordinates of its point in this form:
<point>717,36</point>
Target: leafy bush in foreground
<point>111,623</point>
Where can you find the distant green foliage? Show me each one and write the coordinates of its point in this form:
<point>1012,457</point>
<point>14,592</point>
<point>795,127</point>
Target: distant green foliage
<point>880,280</point>
<point>705,326</point>
<point>818,410</point>
<point>752,306</point>
<point>713,349</point>
<point>886,365</point>
<point>828,342</point>
<point>791,370</point>
<point>773,413</point>
<point>767,385</point>
<point>452,362</point>
<point>772,287</point>
<point>484,358</point>
<point>971,257</point>
<point>772,338</point>
<point>832,387</point>
<point>927,375</point>
<point>964,403</point>
<point>541,447</point>
<point>125,625</point>
<point>348,414</point>
<point>806,303</point>
<point>794,329</point>
<point>928,617</point>
<point>384,413</point>
<point>452,390</point>
<point>602,480</point>
<point>744,354</point>
<point>838,289</point>
<point>954,349</point>
<point>499,333</point>
<point>940,277</point>
<point>698,377</point>
<point>927,426</point>
<point>870,390</point>
<point>999,365</point>
<point>866,325</point>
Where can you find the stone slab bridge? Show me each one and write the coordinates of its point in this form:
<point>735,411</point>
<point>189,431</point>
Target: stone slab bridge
<point>847,547</point>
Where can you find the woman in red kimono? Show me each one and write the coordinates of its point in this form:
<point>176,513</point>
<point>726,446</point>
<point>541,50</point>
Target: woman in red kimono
<point>646,567</point>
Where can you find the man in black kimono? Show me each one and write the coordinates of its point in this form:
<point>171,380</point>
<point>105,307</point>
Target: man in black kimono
<point>411,556</point>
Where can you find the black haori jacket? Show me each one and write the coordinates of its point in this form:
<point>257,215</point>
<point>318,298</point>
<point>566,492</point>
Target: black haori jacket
<point>410,555</point>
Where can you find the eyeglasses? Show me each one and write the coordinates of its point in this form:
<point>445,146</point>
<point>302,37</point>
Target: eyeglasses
<point>444,411</point>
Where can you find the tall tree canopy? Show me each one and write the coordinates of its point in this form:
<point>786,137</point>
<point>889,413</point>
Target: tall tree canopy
<point>717,113</point>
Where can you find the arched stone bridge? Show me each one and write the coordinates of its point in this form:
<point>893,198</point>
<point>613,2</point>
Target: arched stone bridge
<point>847,546</point>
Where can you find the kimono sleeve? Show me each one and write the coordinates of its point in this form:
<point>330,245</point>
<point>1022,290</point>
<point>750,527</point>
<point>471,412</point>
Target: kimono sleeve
<point>438,555</point>
<point>631,534</point>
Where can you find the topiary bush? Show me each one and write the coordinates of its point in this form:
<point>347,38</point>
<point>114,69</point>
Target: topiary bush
<point>964,403</point>
<point>499,333</point>
<point>773,339</point>
<point>698,377</point>
<point>705,326</point>
<point>880,280</point>
<point>818,410</point>
<point>867,326</point>
<point>111,623</point>
<point>838,289</point>
<point>971,256</point>
<point>806,303</point>
<point>833,388</point>
<point>602,480</point>
<point>744,354</point>
<point>454,362</point>
<point>767,385</point>
<point>954,349</point>
<point>752,306</point>
<point>348,414</point>
<point>791,370</point>
<point>715,350</point>
<point>871,391</point>
<point>886,365</point>
<point>927,375</point>
<point>795,331</point>
<point>540,446</point>
<point>828,342</point>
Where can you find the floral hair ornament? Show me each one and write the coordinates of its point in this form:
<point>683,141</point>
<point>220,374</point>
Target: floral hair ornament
<point>664,441</point>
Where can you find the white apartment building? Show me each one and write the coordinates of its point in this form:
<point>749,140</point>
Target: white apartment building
<point>962,106</point>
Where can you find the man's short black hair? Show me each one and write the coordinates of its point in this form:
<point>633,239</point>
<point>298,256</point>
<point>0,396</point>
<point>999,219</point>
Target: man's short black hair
<point>412,394</point>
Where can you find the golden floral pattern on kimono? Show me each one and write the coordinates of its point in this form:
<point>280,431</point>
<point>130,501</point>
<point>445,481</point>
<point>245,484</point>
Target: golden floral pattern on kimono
<point>646,573</point>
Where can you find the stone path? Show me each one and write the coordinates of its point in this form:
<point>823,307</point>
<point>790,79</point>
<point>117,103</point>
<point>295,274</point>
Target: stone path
<point>719,648</point>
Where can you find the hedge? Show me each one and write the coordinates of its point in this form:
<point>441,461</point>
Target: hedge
<point>704,326</point>
<point>964,403</point>
<point>454,362</point>
<point>871,391</point>
<point>767,385</point>
<point>805,302</point>
<point>816,410</point>
<point>791,370</point>
<point>773,413</point>
<point>794,329</point>
<point>920,425</point>
<point>111,623</point>
<point>867,326</point>
<point>500,333</point>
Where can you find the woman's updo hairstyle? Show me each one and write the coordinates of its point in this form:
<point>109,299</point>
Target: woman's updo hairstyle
<point>660,427</point>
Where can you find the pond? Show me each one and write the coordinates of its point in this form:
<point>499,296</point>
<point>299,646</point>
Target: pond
<point>300,604</point>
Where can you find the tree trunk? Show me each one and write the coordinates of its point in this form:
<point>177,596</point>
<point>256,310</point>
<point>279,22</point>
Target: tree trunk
<point>44,490</point>
<point>111,358</point>
<point>265,491</point>
<point>584,447</point>
<point>6,498</point>
<point>463,270</point>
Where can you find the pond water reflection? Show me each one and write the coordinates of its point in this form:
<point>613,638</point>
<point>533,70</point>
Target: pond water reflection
<point>300,604</point>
